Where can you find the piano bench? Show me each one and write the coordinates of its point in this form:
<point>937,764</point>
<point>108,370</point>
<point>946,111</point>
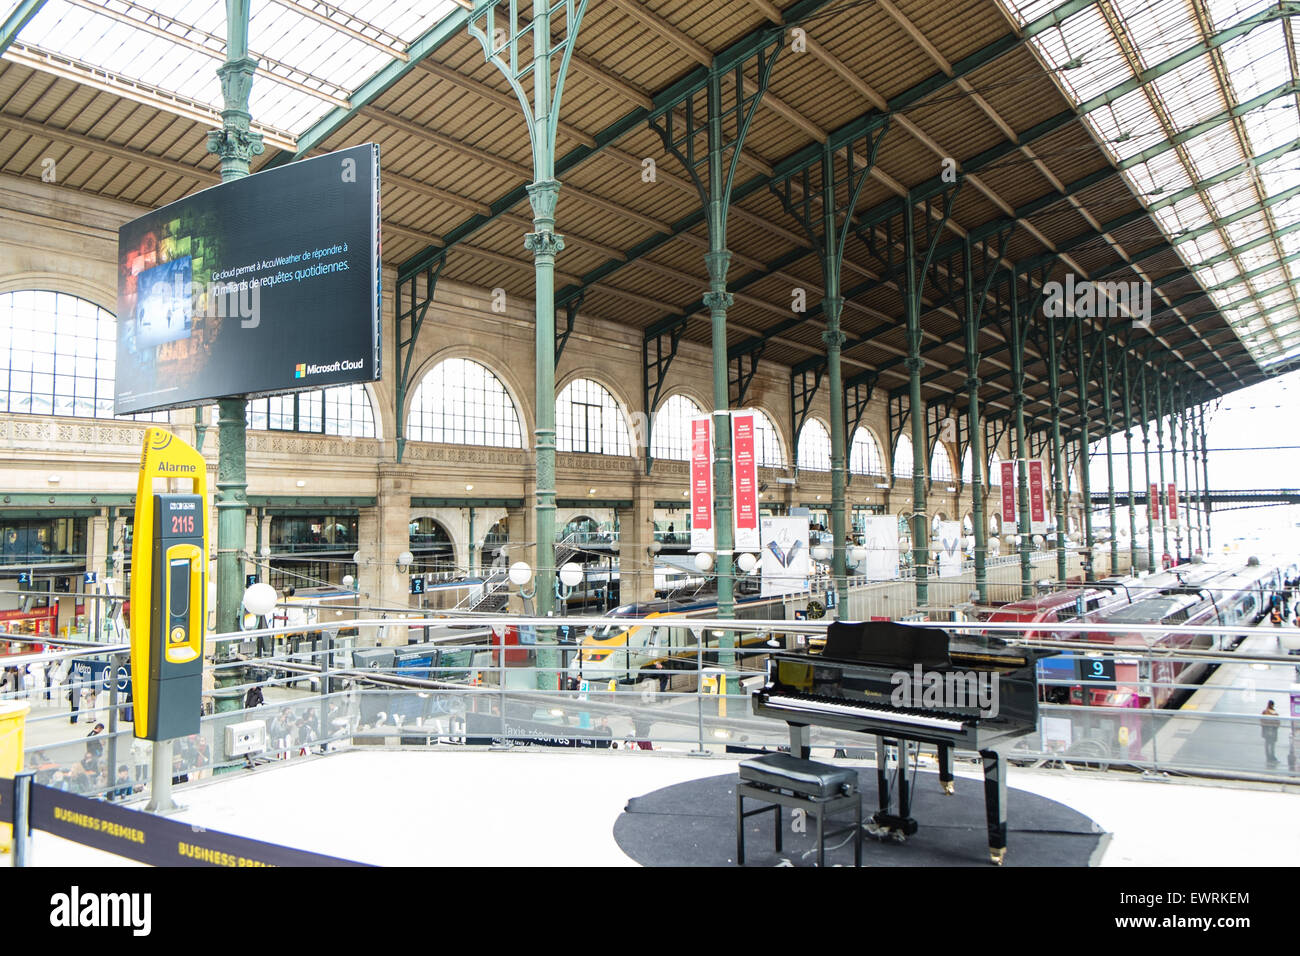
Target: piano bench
<point>818,789</point>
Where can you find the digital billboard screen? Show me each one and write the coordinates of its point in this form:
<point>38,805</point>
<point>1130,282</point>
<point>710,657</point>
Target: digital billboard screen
<point>259,286</point>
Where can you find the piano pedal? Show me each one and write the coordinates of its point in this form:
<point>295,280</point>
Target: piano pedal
<point>949,787</point>
<point>997,856</point>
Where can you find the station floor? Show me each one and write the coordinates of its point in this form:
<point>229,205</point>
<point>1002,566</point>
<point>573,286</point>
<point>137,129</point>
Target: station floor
<point>534,808</point>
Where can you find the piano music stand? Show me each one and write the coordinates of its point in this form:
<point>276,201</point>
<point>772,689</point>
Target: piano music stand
<point>818,789</point>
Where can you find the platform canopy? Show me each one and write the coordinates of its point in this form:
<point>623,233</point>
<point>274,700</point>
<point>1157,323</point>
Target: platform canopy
<point>1120,140</point>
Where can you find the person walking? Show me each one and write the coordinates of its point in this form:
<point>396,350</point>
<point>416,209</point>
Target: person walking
<point>1269,723</point>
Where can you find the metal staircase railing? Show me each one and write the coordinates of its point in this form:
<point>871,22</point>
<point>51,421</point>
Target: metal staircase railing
<point>496,587</point>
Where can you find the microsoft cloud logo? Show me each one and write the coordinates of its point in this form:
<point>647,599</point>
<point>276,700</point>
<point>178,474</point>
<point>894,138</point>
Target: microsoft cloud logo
<point>300,370</point>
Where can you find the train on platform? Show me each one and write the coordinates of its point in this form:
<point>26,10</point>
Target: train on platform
<point>1183,597</point>
<point>661,632</point>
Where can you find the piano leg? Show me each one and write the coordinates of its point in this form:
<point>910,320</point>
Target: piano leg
<point>882,776</point>
<point>904,785</point>
<point>995,803</point>
<point>945,769</point>
<point>799,741</point>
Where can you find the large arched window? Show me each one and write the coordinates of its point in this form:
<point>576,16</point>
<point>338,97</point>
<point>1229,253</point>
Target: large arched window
<point>58,356</point>
<point>343,410</point>
<point>460,402</point>
<point>941,464</point>
<point>767,446</point>
<point>903,463</point>
<point>864,454</point>
<point>672,428</point>
<point>588,419</point>
<point>814,452</point>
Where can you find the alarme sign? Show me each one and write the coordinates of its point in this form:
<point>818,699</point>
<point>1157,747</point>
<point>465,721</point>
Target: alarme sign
<point>702,483</point>
<point>744,470</point>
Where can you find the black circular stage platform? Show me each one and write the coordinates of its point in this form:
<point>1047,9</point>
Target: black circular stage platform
<point>694,824</point>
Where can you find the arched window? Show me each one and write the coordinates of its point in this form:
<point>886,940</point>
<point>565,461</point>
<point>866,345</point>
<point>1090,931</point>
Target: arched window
<point>767,446</point>
<point>814,452</point>
<point>343,410</point>
<point>431,546</point>
<point>460,402</point>
<point>587,419</point>
<point>864,454</point>
<point>941,464</point>
<point>58,356</point>
<point>995,469</point>
<point>672,428</point>
<point>903,463</point>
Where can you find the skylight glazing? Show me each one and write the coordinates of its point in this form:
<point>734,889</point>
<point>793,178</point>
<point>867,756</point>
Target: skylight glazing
<point>1221,103</point>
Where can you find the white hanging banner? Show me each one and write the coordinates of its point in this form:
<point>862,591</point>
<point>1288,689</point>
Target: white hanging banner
<point>702,483</point>
<point>949,546</point>
<point>882,547</point>
<point>785,559</point>
<point>744,481</point>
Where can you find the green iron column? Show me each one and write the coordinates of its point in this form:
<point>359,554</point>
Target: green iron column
<point>1022,451</point>
<point>713,170</point>
<point>1205,482</point>
<point>1146,462</point>
<point>542,114</point>
<point>1058,458</point>
<point>1107,408</point>
<point>825,217</point>
<point>1160,460</point>
<point>236,144</point>
<point>913,288</point>
<point>1196,479</point>
<point>991,256</point>
<point>1085,478</point>
<point>1184,512</point>
<point>1128,457</point>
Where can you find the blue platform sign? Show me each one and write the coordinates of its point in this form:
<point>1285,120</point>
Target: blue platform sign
<point>98,673</point>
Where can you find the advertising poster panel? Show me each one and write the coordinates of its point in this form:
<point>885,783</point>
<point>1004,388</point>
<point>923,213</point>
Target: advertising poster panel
<point>744,471</point>
<point>259,286</point>
<point>1008,492</point>
<point>882,547</point>
<point>786,563</point>
<point>948,544</point>
<point>702,483</point>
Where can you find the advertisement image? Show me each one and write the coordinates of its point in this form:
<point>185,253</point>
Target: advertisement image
<point>262,285</point>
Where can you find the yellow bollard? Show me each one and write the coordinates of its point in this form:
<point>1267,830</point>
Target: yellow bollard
<point>13,723</point>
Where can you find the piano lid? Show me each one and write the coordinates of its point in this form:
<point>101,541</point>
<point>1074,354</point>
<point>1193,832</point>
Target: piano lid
<point>887,644</point>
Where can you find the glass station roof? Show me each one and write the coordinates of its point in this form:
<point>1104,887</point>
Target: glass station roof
<point>311,55</point>
<point>1211,144</point>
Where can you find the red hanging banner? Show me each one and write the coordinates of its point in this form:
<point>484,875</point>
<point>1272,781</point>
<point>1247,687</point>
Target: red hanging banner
<point>702,483</point>
<point>744,470</point>
<point>1037,496</point>
<point>1008,492</point>
<point>1153,502</point>
<point>1171,496</point>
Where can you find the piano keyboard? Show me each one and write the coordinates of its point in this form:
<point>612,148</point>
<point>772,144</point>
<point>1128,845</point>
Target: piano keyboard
<point>882,714</point>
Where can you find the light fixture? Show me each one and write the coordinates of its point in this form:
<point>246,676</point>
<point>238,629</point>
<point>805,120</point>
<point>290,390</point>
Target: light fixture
<point>686,494</point>
<point>614,546</point>
<point>356,558</point>
<point>591,491</point>
<point>54,479</point>
<point>405,560</point>
<point>571,574</point>
<point>857,554</point>
<point>469,487</point>
<point>259,599</point>
<point>655,547</point>
<point>882,484</point>
<point>747,562</point>
<point>821,553</point>
<point>348,581</point>
<point>703,561</point>
<point>520,573</point>
<point>301,484</point>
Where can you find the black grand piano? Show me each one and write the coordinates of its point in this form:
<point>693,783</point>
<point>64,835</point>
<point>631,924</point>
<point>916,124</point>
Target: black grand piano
<point>906,685</point>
